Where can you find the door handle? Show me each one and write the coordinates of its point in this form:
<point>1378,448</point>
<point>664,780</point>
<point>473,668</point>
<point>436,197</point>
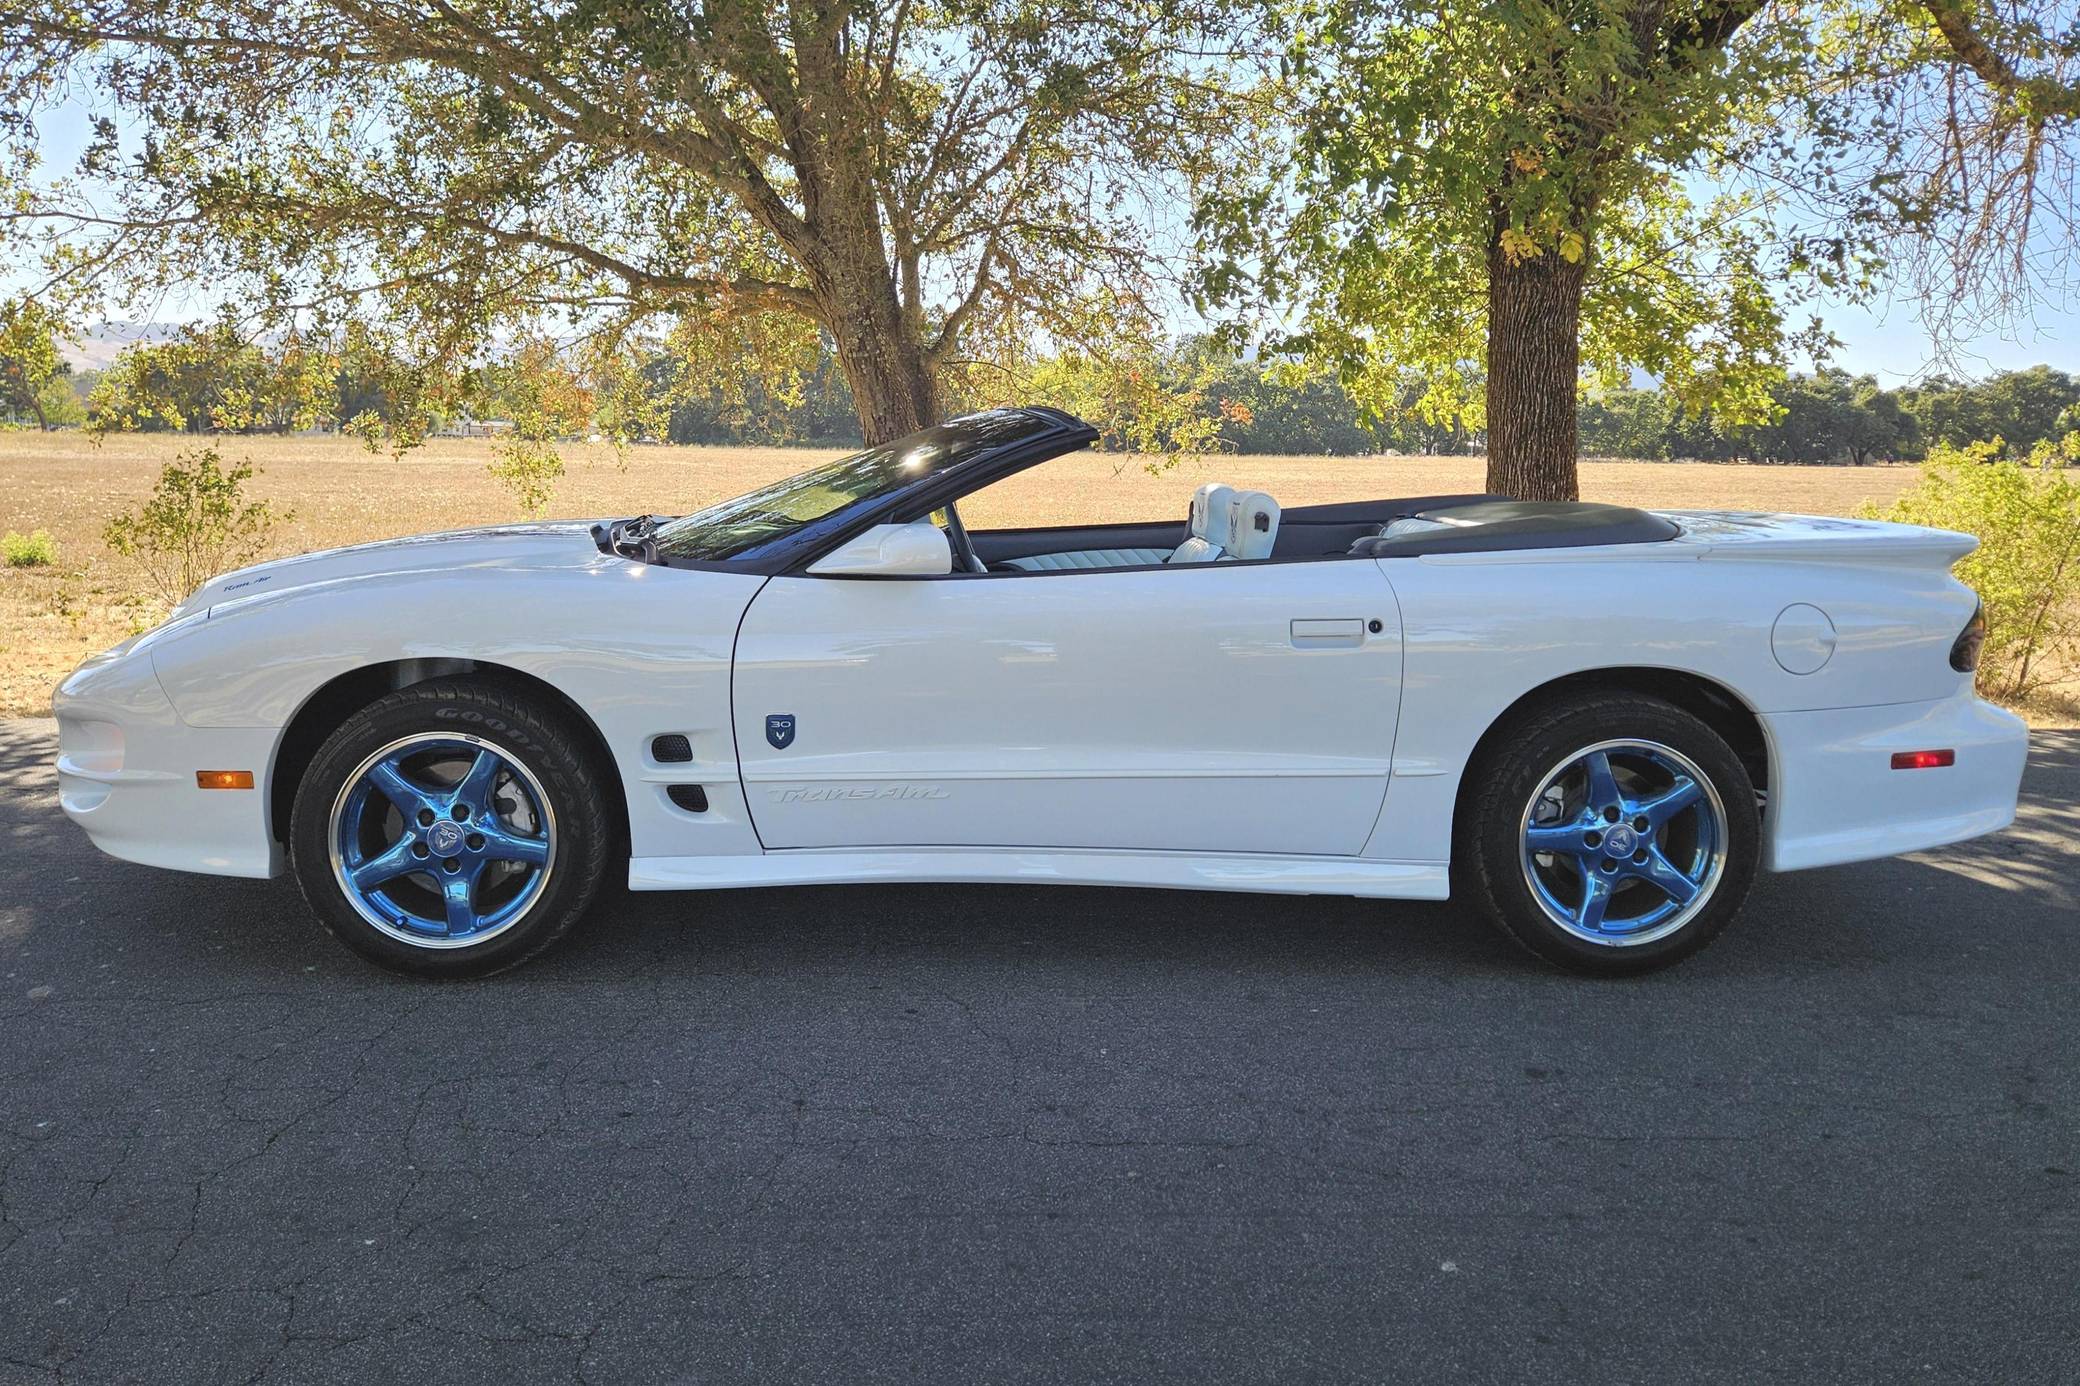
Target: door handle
<point>1327,633</point>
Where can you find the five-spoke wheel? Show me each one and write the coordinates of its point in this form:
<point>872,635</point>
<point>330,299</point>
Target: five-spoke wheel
<point>1624,842</point>
<point>442,841</point>
<point>1608,832</point>
<point>452,828</point>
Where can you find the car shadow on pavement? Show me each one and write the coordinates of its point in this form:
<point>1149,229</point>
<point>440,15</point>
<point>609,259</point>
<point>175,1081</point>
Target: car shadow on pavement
<point>2036,854</point>
<point>29,813</point>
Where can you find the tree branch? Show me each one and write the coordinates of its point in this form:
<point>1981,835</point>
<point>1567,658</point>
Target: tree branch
<point>2043,99</point>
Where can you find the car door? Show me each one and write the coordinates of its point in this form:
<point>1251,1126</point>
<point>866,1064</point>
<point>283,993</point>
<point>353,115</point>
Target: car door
<point>1222,707</point>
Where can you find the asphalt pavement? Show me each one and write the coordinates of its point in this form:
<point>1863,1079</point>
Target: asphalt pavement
<point>1042,1134</point>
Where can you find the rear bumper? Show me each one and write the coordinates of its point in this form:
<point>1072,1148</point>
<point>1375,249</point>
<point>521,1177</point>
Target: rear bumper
<point>1836,798</point>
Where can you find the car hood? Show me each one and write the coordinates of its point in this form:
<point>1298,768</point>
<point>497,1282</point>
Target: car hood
<point>558,544</point>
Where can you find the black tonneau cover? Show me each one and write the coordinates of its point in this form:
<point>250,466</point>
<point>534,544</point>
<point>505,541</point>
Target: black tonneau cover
<point>1488,526</point>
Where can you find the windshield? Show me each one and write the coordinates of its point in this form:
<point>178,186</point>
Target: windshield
<point>733,528</point>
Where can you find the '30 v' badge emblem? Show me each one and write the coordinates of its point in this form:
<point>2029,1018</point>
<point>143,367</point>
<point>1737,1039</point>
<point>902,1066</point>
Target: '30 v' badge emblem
<point>780,729</point>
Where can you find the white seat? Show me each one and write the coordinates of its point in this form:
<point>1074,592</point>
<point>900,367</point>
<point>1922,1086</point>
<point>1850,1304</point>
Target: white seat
<point>1087,558</point>
<point>1226,525</point>
<point>1211,524</point>
<point>1252,525</point>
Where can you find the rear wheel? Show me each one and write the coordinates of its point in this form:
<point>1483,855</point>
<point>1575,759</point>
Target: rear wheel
<point>451,829</point>
<point>1611,833</point>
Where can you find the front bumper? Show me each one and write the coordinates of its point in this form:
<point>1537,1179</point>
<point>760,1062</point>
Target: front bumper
<point>126,774</point>
<point>1835,797</point>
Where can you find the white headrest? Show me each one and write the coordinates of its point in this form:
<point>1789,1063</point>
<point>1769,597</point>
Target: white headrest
<point>1211,504</point>
<point>1253,525</point>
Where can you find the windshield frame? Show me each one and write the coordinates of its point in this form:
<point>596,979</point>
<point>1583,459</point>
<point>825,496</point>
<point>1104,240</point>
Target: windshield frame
<point>1053,434</point>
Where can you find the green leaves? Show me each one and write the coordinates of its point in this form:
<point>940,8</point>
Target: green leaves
<point>196,524</point>
<point>1428,135</point>
<point>36,549</point>
<point>1715,166</point>
<point>210,379</point>
<point>926,183</point>
<point>2027,568</point>
<point>29,359</point>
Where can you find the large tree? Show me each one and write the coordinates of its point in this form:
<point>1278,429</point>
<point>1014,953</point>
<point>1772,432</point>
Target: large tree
<point>924,184</point>
<point>1505,197</point>
<point>29,359</point>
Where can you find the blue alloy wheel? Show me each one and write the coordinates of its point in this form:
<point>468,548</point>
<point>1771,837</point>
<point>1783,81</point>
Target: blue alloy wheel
<point>1624,842</point>
<point>442,841</point>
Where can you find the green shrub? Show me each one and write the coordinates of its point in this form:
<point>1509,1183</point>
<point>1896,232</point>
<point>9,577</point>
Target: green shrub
<point>36,550</point>
<point>2027,568</point>
<point>196,524</point>
<point>2056,452</point>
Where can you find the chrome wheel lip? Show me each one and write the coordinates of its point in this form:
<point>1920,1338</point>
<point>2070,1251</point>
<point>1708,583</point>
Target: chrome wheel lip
<point>335,822</point>
<point>1709,802</point>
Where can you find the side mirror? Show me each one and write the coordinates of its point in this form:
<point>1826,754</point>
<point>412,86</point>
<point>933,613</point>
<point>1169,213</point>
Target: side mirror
<point>917,549</point>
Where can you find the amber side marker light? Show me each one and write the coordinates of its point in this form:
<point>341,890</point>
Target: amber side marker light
<point>243,779</point>
<point>1922,760</point>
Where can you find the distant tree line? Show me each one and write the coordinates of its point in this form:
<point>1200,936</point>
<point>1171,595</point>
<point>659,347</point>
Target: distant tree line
<point>1832,416</point>
<point>1252,406</point>
<point>1193,395</point>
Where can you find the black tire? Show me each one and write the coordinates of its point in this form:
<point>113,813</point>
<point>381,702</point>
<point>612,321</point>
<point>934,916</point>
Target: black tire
<point>1491,851</point>
<point>524,732</point>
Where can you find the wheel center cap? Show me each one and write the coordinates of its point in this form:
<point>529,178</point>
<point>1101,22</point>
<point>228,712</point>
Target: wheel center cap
<point>1620,841</point>
<point>445,837</point>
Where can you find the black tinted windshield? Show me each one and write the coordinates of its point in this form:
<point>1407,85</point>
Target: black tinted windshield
<point>732,528</point>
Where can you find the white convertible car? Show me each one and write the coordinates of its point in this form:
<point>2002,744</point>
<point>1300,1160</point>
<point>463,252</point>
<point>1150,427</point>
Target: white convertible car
<point>1595,721</point>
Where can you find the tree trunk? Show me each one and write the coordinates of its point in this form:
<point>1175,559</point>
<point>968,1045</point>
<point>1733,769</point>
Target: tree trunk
<point>1534,360</point>
<point>893,388</point>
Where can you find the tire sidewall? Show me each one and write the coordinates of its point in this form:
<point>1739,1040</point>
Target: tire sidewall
<point>1528,753</point>
<point>518,728</point>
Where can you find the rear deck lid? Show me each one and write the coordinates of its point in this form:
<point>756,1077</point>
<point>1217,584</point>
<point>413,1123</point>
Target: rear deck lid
<point>1735,534</point>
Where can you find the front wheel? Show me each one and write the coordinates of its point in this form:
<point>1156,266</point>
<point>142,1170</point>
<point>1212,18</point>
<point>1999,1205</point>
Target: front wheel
<point>450,829</point>
<point>1611,833</point>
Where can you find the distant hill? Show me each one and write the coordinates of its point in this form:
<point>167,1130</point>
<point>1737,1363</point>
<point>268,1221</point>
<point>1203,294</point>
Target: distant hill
<point>98,349</point>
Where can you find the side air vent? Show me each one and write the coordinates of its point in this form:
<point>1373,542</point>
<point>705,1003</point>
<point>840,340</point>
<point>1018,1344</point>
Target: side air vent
<point>671,750</point>
<point>690,797</point>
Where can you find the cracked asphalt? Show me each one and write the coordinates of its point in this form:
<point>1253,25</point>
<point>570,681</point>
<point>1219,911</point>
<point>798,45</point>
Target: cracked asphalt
<point>1012,1134</point>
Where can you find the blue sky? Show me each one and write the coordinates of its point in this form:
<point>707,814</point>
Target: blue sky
<point>1884,338</point>
<point>1888,340</point>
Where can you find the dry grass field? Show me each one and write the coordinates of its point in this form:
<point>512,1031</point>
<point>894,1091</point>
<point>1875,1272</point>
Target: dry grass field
<point>51,618</point>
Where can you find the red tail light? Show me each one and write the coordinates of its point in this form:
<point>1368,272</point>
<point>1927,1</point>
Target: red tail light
<point>1923,760</point>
